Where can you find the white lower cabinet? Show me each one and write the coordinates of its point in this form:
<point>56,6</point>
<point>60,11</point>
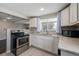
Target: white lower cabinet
<point>48,45</point>
<point>51,44</point>
<point>34,41</point>
<point>45,42</point>
<point>41,42</point>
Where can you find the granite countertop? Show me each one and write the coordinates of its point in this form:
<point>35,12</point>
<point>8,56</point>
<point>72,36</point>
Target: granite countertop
<point>50,35</point>
<point>69,44</point>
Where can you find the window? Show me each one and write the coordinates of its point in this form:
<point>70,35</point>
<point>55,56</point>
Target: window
<point>48,25</point>
<point>44,26</point>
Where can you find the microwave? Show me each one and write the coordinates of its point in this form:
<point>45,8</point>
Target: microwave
<point>70,33</point>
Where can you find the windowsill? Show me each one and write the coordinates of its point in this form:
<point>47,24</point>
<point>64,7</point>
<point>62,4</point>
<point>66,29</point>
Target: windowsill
<point>54,34</point>
<point>47,33</point>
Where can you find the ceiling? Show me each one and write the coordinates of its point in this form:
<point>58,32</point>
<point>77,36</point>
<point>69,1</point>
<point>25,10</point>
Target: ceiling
<point>12,18</point>
<point>8,17</point>
<point>33,9</point>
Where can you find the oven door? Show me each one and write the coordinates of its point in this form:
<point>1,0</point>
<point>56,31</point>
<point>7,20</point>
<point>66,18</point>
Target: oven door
<point>22,41</point>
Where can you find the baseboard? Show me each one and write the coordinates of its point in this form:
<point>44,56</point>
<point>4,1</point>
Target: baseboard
<point>44,50</point>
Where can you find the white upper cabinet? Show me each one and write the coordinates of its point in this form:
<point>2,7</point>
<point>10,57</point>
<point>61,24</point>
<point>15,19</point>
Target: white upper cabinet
<point>78,11</point>
<point>73,13</point>
<point>33,22</point>
<point>65,17</point>
<point>70,15</point>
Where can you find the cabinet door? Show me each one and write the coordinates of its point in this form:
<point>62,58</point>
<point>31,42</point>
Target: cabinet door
<point>40,42</point>
<point>37,41</point>
<point>78,11</point>
<point>73,13</point>
<point>48,44</point>
<point>33,41</point>
<point>65,17</point>
<point>51,44</point>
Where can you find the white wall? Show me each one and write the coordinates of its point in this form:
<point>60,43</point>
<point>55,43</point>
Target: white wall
<point>48,16</point>
<point>5,27</point>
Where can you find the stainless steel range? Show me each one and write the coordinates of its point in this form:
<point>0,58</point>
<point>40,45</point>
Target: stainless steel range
<point>19,42</point>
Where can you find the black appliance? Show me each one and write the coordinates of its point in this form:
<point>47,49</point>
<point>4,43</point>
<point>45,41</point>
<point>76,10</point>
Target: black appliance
<point>19,42</point>
<point>70,33</point>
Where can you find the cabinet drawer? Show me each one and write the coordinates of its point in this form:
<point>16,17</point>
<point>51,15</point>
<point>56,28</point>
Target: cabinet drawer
<point>22,49</point>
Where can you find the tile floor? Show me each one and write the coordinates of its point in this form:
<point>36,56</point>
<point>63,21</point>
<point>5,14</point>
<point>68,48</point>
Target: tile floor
<point>30,52</point>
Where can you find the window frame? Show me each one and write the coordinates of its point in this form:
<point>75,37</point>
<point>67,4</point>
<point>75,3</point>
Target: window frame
<point>47,20</point>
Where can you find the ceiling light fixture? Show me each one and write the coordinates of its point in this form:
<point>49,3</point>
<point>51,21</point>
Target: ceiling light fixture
<point>8,18</point>
<point>4,19</point>
<point>42,9</point>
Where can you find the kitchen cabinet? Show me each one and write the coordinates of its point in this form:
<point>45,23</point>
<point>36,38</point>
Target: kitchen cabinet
<point>78,11</point>
<point>40,42</point>
<point>36,41</point>
<point>65,17</point>
<point>45,42</point>
<point>73,13</point>
<point>33,22</point>
<point>69,16</point>
<point>51,44</point>
<point>33,41</point>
